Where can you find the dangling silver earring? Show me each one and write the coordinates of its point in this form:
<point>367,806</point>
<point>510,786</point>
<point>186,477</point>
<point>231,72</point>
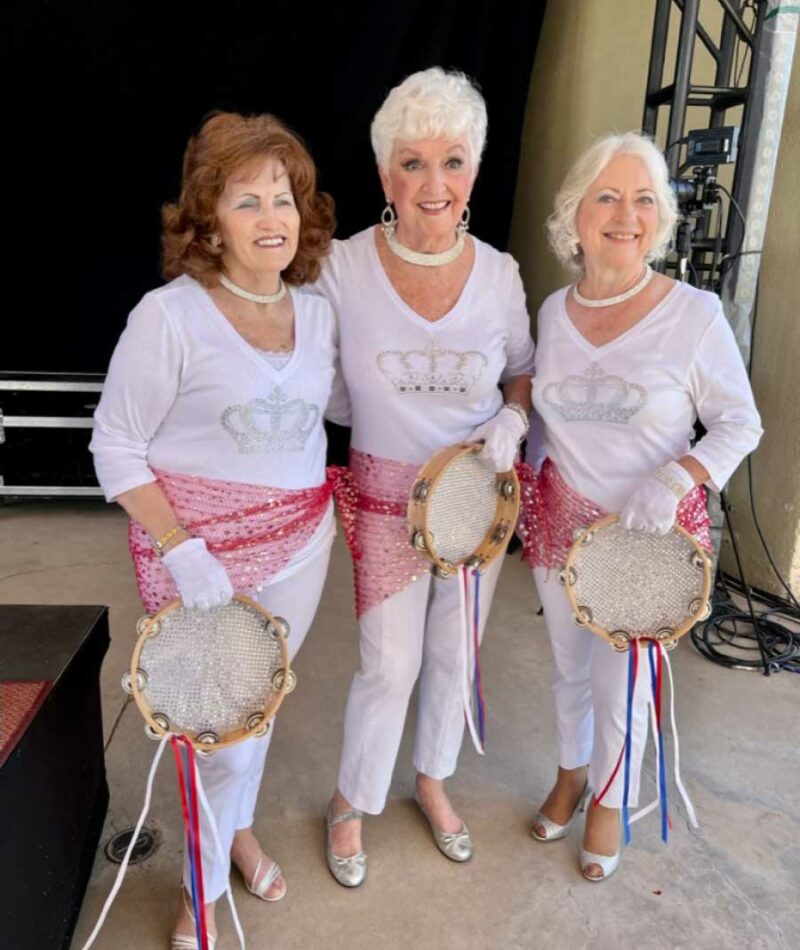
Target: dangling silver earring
<point>215,240</point>
<point>463,224</point>
<point>388,219</point>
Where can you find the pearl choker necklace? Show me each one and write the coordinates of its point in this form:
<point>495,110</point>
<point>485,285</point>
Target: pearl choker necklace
<point>418,257</point>
<point>255,298</point>
<point>610,301</point>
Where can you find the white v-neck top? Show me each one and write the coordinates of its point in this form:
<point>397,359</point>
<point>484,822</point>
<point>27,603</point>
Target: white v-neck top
<point>614,413</point>
<point>185,392</point>
<point>416,385</point>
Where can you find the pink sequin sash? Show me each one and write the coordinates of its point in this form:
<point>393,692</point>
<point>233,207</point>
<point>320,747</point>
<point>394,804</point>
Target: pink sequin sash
<point>372,498</point>
<point>254,530</point>
<point>551,512</point>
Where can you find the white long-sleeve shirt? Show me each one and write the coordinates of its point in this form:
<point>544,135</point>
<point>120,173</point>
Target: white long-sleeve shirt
<point>614,413</point>
<point>416,385</point>
<point>186,393</point>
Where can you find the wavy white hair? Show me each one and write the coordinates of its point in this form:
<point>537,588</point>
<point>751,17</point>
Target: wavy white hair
<point>561,230</point>
<point>430,104</point>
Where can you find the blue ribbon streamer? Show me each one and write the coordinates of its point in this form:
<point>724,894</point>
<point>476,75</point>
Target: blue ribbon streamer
<point>628,730</point>
<point>476,617</point>
<point>662,759</point>
<point>187,764</point>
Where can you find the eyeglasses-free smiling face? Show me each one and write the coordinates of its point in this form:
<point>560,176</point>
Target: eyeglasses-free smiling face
<point>259,224</point>
<point>617,218</point>
<point>429,182</point>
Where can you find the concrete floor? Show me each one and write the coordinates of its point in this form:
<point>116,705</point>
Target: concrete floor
<point>735,883</point>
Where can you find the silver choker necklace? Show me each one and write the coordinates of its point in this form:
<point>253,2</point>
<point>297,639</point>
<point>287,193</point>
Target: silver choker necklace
<point>419,257</point>
<point>279,294</point>
<point>610,301</point>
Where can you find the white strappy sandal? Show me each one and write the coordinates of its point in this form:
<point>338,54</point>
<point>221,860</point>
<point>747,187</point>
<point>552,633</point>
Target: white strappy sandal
<point>260,889</point>
<point>189,941</point>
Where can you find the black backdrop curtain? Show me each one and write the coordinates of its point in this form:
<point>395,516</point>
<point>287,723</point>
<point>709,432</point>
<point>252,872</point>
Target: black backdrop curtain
<point>101,96</point>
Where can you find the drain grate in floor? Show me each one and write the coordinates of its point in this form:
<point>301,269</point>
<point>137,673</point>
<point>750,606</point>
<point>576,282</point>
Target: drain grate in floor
<point>145,845</point>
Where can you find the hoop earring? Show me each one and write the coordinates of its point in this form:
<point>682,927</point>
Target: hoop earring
<point>388,219</point>
<point>463,224</point>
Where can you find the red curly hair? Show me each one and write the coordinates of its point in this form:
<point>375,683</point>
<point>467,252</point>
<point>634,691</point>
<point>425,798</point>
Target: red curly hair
<point>225,143</point>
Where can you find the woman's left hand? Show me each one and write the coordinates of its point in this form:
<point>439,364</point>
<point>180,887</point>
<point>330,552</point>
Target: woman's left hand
<point>652,507</point>
<point>501,436</point>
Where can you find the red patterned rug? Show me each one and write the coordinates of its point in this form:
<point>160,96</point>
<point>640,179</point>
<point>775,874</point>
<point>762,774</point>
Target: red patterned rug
<point>19,702</point>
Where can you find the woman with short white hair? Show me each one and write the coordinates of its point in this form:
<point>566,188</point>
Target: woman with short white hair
<point>431,321</point>
<point>627,361</point>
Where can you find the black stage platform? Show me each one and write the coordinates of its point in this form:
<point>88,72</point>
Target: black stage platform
<point>53,791</point>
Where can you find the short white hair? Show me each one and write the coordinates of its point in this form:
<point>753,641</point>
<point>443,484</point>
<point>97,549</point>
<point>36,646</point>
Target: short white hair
<point>430,104</point>
<point>561,230</point>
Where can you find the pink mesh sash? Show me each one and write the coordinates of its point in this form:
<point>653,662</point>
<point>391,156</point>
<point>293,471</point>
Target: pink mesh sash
<point>551,512</point>
<point>254,530</point>
<point>372,498</point>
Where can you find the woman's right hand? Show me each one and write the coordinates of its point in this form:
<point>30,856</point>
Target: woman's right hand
<point>201,579</point>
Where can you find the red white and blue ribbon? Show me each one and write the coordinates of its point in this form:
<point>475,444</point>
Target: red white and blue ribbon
<point>657,660</point>
<point>187,785</point>
<point>194,792</point>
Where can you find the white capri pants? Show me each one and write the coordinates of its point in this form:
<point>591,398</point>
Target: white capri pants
<point>231,777</point>
<point>590,690</point>
<point>417,633</point>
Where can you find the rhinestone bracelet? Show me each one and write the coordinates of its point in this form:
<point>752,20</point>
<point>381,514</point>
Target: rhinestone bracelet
<point>673,483</point>
<point>520,411</point>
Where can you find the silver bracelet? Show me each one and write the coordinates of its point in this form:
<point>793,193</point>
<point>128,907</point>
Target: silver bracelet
<point>520,411</point>
<point>674,484</point>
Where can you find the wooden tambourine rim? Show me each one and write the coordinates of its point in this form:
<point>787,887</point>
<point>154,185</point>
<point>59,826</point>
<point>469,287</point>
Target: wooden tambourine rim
<point>506,512</point>
<point>619,644</point>
<point>237,735</point>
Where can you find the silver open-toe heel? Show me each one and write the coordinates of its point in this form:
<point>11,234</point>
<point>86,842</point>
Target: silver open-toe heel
<point>457,846</point>
<point>352,871</point>
<point>552,830</point>
<point>608,863</point>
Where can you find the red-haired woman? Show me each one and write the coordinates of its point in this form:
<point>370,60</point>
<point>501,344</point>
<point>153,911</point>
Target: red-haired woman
<point>209,432</point>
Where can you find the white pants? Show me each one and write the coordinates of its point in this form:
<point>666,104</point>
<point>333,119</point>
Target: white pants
<point>231,777</point>
<point>590,690</point>
<point>416,633</point>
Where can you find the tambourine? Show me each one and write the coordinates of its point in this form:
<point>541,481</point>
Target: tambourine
<point>626,585</point>
<point>460,512</point>
<point>216,676</point>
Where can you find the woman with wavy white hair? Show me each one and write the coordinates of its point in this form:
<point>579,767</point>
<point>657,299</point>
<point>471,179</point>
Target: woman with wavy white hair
<point>627,361</point>
<point>431,321</point>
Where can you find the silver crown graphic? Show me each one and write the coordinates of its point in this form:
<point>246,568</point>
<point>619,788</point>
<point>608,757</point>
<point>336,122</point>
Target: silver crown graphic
<point>433,370</point>
<point>274,424</point>
<point>595,397</point>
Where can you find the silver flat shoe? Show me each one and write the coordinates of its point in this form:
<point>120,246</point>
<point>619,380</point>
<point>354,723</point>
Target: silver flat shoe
<point>457,846</point>
<point>352,871</point>
<point>552,830</point>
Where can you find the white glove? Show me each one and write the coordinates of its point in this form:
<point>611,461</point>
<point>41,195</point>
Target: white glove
<point>501,436</point>
<point>653,505</point>
<point>201,580</point>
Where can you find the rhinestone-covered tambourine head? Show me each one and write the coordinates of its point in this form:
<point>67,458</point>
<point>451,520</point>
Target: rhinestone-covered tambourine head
<point>208,671</point>
<point>637,583</point>
<point>462,507</point>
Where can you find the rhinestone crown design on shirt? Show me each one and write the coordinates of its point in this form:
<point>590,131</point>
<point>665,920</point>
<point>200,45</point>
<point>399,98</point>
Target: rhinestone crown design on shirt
<point>595,397</point>
<point>274,424</point>
<point>432,370</point>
